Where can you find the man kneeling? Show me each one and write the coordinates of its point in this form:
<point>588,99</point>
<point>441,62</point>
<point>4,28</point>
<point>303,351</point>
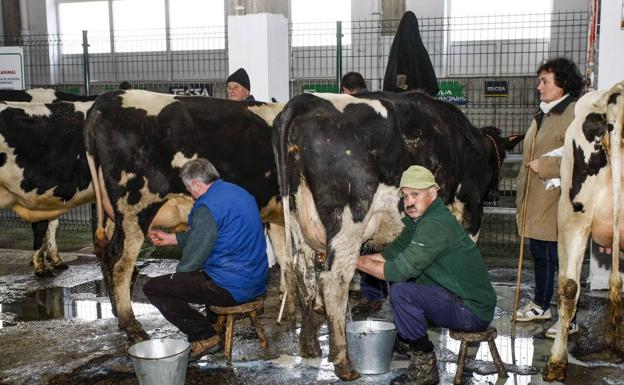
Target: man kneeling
<point>437,276</point>
<point>224,260</point>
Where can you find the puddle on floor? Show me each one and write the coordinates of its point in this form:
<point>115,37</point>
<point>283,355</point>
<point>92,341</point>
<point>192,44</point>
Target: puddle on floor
<point>87,302</point>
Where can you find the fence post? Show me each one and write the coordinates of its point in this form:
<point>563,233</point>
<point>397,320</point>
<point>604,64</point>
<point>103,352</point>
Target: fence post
<point>87,86</point>
<point>338,54</point>
<point>85,62</point>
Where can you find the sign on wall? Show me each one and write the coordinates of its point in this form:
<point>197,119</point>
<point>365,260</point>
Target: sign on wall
<point>12,68</point>
<point>323,88</point>
<point>452,92</point>
<point>193,89</point>
<point>498,88</point>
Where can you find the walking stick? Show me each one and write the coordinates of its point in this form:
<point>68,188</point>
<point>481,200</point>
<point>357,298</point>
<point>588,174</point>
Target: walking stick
<point>522,230</point>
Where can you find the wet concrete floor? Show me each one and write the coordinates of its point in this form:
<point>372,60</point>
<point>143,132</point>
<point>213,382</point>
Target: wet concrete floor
<point>61,330</point>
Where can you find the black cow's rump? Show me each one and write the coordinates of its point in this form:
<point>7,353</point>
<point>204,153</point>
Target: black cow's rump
<point>349,153</point>
<point>49,149</point>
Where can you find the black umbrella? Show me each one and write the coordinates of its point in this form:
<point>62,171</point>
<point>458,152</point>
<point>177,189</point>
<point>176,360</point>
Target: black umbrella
<point>409,66</point>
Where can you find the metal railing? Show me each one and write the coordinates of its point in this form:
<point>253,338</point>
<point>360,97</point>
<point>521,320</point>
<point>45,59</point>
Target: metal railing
<point>464,52</point>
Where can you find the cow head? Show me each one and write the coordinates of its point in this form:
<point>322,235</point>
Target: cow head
<point>497,147</point>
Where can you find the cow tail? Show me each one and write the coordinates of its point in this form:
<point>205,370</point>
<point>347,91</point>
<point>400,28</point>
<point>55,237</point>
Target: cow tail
<point>280,151</point>
<point>91,150</point>
<point>615,114</point>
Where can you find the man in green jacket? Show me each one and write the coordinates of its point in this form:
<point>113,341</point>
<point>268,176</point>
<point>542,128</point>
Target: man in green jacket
<point>437,274</point>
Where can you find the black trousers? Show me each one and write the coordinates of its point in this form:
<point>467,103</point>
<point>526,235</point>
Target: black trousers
<point>173,293</point>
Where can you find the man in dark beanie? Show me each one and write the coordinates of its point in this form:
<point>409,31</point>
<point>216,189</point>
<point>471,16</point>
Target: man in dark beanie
<point>238,86</point>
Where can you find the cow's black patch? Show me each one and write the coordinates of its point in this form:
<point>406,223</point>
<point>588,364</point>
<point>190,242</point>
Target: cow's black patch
<point>610,127</point>
<point>576,206</point>
<point>50,149</point>
<point>594,126</point>
<point>3,159</point>
<point>581,169</point>
<point>613,98</point>
<point>15,96</point>
<point>133,188</point>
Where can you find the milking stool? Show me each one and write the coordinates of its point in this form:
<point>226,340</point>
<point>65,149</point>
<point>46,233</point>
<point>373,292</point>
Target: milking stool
<point>228,314</point>
<point>488,335</point>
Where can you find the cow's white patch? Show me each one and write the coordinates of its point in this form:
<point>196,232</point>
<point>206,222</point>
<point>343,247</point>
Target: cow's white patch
<point>267,112</point>
<point>340,102</point>
<point>383,220</point>
<point>82,107</point>
<point>151,102</point>
<point>348,152</point>
<point>457,209</point>
<point>179,159</point>
<point>30,109</point>
<point>312,228</point>
<point>42,95</point>
<point>267,174</point>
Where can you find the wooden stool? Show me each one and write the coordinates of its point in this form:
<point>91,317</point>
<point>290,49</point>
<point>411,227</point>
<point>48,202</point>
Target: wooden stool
<point>230,313</point>
<point>488,335</point>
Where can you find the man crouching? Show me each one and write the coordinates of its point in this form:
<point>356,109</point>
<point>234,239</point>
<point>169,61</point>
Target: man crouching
<point>224,260</point>
<point>437,276</point>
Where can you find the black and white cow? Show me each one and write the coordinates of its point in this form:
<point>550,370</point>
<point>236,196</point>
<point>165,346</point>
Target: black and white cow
<point>591,203</point>
<point>340,159</point>
<point>137,141</point>
<point>43,170</point>
<point>43,95</point>
<point>44,235</point>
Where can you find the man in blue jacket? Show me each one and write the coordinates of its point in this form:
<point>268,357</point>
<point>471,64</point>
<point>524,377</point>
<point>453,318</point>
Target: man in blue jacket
<point>224,260</point>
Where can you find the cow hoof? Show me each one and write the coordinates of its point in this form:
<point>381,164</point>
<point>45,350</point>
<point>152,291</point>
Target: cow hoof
<point>61,266</point>
<point>345,372</point>
<point>136,333</point>
<point>47,273</point>
<point>554,371</point>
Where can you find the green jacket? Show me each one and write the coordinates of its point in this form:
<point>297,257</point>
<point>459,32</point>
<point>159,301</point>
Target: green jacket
<point>435,250</point>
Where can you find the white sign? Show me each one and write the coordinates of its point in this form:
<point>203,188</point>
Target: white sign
<point>12,68</point>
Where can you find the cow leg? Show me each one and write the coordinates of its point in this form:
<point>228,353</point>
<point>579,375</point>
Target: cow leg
<point>573,236</point>
<point>615,297</point>
<point>306,289</point>
<point>287,277</point>
<point>52,248</point>
<point>122,277</point>
<point>335,289</point>
<point>38,261</point>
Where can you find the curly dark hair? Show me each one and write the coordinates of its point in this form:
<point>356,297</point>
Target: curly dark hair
<point>567,75</point>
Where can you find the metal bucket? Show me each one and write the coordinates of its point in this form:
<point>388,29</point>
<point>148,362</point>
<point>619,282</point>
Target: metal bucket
<point>160,361</point>
<point>370,345</point>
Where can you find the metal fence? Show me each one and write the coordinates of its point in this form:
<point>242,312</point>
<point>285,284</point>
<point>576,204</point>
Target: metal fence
<point>464,51</point>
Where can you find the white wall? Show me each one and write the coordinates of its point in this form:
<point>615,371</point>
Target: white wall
<point>611,42</point>
<point>259,44</point>
<point>425,8</point>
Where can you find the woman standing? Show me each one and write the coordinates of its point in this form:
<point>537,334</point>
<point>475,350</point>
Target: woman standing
<point>559,85</point>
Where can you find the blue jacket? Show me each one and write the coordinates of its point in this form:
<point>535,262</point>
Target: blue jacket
<point>238,261</point>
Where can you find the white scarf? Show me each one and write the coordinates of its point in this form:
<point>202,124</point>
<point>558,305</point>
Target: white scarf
<point>546,107</point>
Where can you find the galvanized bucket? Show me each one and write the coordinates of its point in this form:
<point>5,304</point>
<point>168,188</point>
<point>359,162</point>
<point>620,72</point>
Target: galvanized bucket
<point>160,361</point>
<point>370,345</point>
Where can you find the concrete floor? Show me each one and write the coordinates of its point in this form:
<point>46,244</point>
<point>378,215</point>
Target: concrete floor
<point>60,331</point>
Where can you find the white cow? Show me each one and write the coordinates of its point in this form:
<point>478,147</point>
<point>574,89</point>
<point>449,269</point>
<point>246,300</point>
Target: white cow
<point>590,203</point>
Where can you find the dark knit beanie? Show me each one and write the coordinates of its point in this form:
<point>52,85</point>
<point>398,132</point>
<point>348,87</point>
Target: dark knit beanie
<point>239,76</point>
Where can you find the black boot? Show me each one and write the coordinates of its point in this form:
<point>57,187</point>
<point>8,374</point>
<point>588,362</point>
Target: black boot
<point>422,370</point>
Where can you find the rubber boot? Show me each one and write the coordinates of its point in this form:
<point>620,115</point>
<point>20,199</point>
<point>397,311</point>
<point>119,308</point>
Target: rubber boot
<point>422,370</point>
